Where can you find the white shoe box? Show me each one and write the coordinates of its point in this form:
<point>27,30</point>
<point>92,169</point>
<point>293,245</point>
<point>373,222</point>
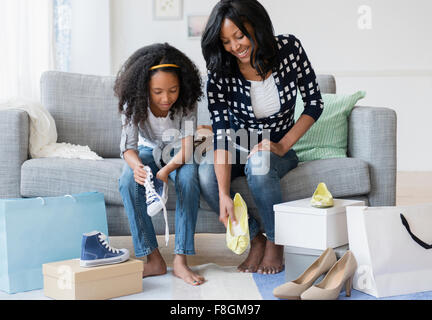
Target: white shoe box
<point>298,224</point>
<point>297,260</point>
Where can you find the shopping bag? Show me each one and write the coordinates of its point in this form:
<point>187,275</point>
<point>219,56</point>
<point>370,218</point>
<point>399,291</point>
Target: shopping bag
<point>237,235</point>
<point>35,231</point>
<point>393,248</point>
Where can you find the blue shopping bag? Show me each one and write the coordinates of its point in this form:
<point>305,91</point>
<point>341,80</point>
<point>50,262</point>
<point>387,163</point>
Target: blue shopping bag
<point>35,231</point>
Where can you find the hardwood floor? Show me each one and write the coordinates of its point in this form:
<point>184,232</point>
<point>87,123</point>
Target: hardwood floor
<point>412,188</point>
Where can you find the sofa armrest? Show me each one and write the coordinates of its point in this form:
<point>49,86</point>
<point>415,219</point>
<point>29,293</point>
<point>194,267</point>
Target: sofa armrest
<point>372,137</point>
<point>14,128</point>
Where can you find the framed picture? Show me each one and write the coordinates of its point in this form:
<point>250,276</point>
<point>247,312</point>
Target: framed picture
<point>196,25</point>
<point>167,9</point>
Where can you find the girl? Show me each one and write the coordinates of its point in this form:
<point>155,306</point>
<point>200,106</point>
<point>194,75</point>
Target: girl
<point>158,88</point>
<point>252,85</point>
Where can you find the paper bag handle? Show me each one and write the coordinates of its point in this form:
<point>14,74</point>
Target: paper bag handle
<point>413,236</point>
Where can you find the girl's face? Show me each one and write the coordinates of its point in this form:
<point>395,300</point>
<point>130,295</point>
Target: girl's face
<point>235,42</point>
<point>164,90</point>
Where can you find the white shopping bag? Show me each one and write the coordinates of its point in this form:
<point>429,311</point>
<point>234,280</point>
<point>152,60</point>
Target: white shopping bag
<point>393,249</point>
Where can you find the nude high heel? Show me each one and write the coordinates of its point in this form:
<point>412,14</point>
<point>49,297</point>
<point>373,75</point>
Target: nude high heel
<point>330,287</point>
<point>293,289</point>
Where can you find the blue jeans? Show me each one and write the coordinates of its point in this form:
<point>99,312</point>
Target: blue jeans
<point>187,189</point>
<point>263,172</point>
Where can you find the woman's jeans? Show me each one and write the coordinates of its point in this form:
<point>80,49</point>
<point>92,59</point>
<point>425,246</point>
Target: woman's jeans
<point>263,171</point>
<point>187,189</point>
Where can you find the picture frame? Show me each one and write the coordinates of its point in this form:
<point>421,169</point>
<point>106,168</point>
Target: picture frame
<point>196,25</point>
<point>167,9</point>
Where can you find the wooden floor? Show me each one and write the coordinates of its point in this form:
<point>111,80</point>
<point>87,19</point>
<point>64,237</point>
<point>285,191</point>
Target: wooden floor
<point>412,188</point>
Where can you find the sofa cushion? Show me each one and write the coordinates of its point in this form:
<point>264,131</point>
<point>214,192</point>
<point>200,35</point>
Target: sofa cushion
<point>84,109</point>
<point>47,177</point>
<point>344,177</point>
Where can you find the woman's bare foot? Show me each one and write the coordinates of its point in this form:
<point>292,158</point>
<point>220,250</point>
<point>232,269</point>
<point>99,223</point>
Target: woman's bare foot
<point>272,262</point>
<point>155,265</point>
<point>255,256</point>
<point>182,271</point>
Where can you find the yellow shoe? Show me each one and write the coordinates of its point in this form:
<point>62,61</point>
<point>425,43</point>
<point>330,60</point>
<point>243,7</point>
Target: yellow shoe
<point>237,236</point>
<point>330,287</point>
<point>292,290</point>
<point>322,198</point>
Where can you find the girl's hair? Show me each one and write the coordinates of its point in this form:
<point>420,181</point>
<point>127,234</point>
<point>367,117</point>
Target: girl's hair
<point>239,12</point>
<point>132,83</point>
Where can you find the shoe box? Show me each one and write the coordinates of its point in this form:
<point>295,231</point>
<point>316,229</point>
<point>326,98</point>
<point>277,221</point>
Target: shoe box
<point>66,280</point>
<point>299,224</point>
<point>297,260</point>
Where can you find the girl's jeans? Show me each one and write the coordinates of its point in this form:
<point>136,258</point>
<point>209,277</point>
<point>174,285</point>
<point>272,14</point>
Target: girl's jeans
<point>187,189</point>
<point>263,172</point>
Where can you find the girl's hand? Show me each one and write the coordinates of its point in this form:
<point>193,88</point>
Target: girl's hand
<point>267,145</point>
<point>140,175</point>
<point>163,175</point>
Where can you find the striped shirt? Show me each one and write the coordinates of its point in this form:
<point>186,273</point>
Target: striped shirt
<point>230,106</point>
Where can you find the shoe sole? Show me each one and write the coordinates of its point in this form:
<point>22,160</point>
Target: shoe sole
<point>102,262</point>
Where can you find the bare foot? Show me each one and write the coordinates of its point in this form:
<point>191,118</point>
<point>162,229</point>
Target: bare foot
<point>255,256</point>
<point>182,271</point>
<point>272,261</point>
<point>155,265</point>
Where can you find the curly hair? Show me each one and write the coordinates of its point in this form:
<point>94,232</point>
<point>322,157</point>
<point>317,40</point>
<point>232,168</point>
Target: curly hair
<point>132,82</point>
<point>218,60</point>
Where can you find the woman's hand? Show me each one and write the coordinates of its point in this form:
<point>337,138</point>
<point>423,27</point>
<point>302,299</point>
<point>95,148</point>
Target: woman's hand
<point>226,206</point>
<point>267,145</point>
<point>140,175</point>
<point>163,174</point>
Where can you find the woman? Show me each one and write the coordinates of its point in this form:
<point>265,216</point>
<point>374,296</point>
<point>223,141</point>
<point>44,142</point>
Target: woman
<point>252,86</point>
<point>158,88</point>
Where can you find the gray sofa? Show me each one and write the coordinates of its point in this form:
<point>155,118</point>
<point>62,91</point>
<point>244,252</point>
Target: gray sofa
<point>85,111</point>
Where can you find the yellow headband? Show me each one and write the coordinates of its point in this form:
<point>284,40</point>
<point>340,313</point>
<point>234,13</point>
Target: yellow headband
<point>164,66</point>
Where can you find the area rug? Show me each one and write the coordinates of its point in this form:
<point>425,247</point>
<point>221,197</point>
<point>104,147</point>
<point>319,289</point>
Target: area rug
<point>223,283</point>
<point>266,284</point>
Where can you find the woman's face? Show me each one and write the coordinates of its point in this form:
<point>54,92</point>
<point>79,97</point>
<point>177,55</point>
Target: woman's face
<point>164,90</point>
<point>235,42</point>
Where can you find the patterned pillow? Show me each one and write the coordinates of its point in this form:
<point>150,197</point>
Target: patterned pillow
<point>328,137</point>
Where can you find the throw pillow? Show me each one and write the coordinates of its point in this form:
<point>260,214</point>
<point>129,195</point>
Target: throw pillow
<point>328,137</point>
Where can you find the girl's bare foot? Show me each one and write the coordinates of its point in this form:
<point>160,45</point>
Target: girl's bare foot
<point>272,262</point>
<point>182,271</point>
<point>155,265</point>
<point>255,256</point>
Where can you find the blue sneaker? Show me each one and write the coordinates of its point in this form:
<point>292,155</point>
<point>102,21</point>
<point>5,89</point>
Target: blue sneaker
<point>156,193</point>
<point>95,251</point>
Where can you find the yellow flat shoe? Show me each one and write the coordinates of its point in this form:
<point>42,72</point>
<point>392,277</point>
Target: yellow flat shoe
<point>322,198</point>
<point>237,236</point>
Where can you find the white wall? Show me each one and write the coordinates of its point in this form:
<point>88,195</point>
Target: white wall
<point>392,61</point>
<point>90,37</point>
<point>133,27</point>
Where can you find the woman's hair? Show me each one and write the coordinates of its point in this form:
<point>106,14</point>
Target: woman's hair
<point>132,83</point>
<point>239,12</point>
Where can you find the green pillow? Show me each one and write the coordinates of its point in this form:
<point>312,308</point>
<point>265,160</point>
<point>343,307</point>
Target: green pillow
<point>328,137</point>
